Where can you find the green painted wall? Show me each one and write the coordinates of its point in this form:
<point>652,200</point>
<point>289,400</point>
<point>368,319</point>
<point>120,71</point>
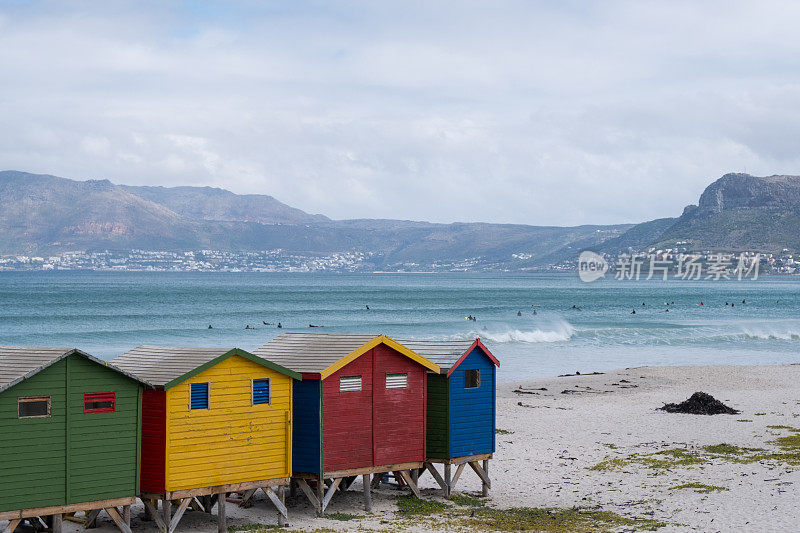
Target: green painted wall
<point>33,450</point>
<point>70,457</point>
<point>438,442</point>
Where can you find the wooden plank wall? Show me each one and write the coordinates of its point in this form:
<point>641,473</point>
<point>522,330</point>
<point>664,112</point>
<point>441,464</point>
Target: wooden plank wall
<point>154,440</point>
<point>33,450</point>
<point>307,427</point>
<point>103,447</point>
<point>438,433</point>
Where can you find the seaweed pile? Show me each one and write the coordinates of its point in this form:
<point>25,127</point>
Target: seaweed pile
<point>700,403</point>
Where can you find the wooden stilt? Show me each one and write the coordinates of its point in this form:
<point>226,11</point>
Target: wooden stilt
<point>117,518</point>
<point>442,483</point>
<point>487,483</point>
<point>278,500</point>
<point>13,525</point>
<point>331,490</point>
<point>292,488</point>
<point>367,492</point>
<point>179,514</point>
<point>166,514</point>
<point>150,505</point>
<point>448,488</point>
<point>222,525</point>
<point>407,477</point>
<point>91,519</point>
<point>376,480</point>
<point>126,514</point>
<point>282,496</point>
<point>456,476</point>
<point>320,496</point>
<point>415,475</point>
<point>310,494</point>
<point>56,525</point>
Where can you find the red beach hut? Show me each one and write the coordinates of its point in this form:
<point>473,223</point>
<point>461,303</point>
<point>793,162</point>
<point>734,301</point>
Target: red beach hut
<point>359,410</point>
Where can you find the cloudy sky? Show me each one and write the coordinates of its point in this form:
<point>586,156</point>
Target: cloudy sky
<point>550,113</point>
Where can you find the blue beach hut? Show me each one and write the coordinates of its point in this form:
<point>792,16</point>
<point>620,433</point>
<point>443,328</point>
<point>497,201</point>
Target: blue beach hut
<point>461,408</point>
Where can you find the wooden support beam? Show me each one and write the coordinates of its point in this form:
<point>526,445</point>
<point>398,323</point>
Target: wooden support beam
<point>367,493</point>
<point>283,514</point>
<point>166,513</point>
<point>376,480</point>
<point>13,525</point>
<point>448,480</point>
<point>57,521</point>
<point>117,518</point>
<point>126,514</point>
<point>179,514</point>
<point>415,476</point>
<point>222,524</point>
<point>91,519</point>
<point>410,482</point>
<point>151,508</point>
<point>487,484</point>
<point>309,494</point>
<point>456,476</point>
<point>331,490</point>
<point>320,496</point>
<point>432,469</point>
<point>347,482</point>
<point>246,495</point>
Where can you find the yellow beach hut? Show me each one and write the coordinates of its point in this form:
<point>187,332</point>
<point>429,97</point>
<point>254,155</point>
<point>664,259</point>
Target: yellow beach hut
<point>216,421</point>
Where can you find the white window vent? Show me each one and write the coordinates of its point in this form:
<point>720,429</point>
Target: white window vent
<point>350,384</point>
<point>396,381</point>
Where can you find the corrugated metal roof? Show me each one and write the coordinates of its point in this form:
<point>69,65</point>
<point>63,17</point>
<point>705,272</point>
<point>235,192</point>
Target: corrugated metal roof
<point>158,365</point>
<point>443,353</point>
<point>22,362</point>
<point>311,352</point>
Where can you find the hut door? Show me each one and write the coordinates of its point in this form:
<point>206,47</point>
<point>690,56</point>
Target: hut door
<point>398,404</point>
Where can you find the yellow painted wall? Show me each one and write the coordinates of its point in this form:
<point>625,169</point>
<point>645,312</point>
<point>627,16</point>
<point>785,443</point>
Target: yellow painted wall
<point>232,441</point>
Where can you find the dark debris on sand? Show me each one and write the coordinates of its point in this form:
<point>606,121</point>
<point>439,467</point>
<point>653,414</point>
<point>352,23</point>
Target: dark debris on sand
<point>700,403</point>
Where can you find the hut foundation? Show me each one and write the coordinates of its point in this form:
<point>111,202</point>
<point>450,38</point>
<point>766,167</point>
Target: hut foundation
<point>328,483</point>
<point>448,483</point>
<point>203,499</point>
<point>54,516</point>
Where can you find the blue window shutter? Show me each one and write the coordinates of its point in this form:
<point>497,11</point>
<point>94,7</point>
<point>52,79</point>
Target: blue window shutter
<point>199,392</point>
<point>260,391</point>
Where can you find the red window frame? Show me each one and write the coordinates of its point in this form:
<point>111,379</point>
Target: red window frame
<point>93,397</point>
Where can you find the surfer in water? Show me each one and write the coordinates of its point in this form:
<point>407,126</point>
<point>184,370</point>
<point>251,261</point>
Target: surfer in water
<point>279,325</point>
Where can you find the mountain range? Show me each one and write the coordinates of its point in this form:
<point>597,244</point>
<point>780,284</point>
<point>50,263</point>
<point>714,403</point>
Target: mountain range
<point>43,214</point>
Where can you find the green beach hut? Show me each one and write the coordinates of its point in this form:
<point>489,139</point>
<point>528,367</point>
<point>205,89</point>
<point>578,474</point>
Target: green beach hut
<point>71,430</point>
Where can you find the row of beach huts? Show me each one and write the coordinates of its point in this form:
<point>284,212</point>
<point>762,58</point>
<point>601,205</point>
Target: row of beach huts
<point>183,428</point>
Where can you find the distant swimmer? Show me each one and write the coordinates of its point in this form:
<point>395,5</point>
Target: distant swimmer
<point>701,303</point>
<point>672,303</point>
<point>743,301</point>
<point>633,311</point>
<point>279,325</point>
<point>666,310</point>
<point>367,307</point>
<point>248,327</point>
<point>726,303</point>
<point>312,326</point>
<point>519,313</point>
<point>534,312</point>
<point>643,304</point>
<point>209,326</point>
<point>266,323</point>
<point>732,304</point>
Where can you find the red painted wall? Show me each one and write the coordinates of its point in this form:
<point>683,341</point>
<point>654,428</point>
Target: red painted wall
<point>154,440</point>
<point>347,418</point>
<point>398,414</point>
<point>376,426</point>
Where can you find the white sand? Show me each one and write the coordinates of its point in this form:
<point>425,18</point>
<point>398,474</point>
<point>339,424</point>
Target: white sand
<point>556,437</point>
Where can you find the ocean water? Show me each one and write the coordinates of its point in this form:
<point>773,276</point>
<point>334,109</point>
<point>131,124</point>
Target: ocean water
<point>107,313</point>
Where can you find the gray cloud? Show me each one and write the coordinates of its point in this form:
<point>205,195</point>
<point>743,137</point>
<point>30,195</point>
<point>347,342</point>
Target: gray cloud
<point>528,112</point>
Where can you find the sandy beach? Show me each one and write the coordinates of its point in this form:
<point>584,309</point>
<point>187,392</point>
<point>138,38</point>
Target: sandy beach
<point>599,443</point>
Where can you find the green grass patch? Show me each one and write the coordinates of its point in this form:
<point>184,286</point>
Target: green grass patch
<point>760,414</point>
<point>409,505</point>
<point>499,431</point>
<point>467,500</point>
<point>254,528</point>
<point>787,428</point>
<point>343,517</point>
<point>701,488</point>
<point>551,520</point>
<point>744,420</point>
<point>611,446</point>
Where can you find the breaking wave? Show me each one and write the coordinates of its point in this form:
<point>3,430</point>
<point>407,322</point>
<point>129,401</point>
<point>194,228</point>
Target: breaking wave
<point>559,331</point>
